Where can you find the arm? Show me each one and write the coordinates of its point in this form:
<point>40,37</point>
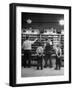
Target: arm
<point>44,46</point>
<point>37,51</point>
<point>50,43</point>
<point>34,41</point>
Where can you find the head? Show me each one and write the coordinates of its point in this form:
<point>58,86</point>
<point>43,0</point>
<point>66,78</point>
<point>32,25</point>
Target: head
<point>58,46</point>
<point>49,41</point>
<point>39,37</point>
<point>46,38</point>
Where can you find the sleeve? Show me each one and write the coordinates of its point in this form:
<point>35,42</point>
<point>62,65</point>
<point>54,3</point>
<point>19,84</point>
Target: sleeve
<point>33,41</point>
<point>44,46</point>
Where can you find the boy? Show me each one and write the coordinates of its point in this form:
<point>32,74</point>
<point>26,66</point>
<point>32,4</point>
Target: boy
<point>58,58</point>
<point>39,52</point>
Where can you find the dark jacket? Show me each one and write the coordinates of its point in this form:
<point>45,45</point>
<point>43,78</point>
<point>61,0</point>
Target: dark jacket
<point>48,49</point>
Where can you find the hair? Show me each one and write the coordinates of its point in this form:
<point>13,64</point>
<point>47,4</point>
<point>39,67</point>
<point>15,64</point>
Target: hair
<point>46,39</point>
<point>58,45</point>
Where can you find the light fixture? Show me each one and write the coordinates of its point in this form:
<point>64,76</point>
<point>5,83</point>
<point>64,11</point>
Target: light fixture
<point>61,22</point>
<point>29,21</point>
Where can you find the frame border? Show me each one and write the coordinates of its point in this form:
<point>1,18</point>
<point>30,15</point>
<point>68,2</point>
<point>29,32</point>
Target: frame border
<point>12,42</point>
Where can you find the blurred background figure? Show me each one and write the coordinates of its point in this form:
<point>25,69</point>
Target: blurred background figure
<point>27,47</point>
<point>48,51</point>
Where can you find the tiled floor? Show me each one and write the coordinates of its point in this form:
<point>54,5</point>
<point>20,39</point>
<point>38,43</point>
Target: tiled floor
<point>33,72</point>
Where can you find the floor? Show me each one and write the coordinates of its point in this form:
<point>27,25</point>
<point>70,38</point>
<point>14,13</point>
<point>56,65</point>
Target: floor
<point>33,72</point>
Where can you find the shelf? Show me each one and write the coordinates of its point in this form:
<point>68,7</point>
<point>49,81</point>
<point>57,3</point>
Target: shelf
<point>54,38</point>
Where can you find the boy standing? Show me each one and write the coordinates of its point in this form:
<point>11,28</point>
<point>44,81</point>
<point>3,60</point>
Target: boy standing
<point>58,58</point>
<point>39,52</point>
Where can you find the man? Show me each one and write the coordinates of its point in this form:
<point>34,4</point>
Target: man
<point>27,46</point>
<point>58,57</point>
<point>39,52</point>
<point>48,50</point>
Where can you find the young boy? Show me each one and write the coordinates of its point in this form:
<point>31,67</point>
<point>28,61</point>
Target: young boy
<point>39,52</point>
<point>58,58</point>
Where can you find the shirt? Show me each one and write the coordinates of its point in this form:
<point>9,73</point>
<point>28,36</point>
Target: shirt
<point>27,45</point>
<point>48,48</point>
<point>58,52</point>
<point>39,50</point>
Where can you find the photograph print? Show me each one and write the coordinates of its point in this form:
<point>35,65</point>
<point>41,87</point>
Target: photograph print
<point>40,44</point>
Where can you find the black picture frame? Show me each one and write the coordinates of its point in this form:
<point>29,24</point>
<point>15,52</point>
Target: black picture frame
<point>12,64</point>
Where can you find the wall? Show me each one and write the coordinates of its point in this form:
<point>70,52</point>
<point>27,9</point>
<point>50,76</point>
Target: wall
<point>4,45</point>
<point>42,21</point>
